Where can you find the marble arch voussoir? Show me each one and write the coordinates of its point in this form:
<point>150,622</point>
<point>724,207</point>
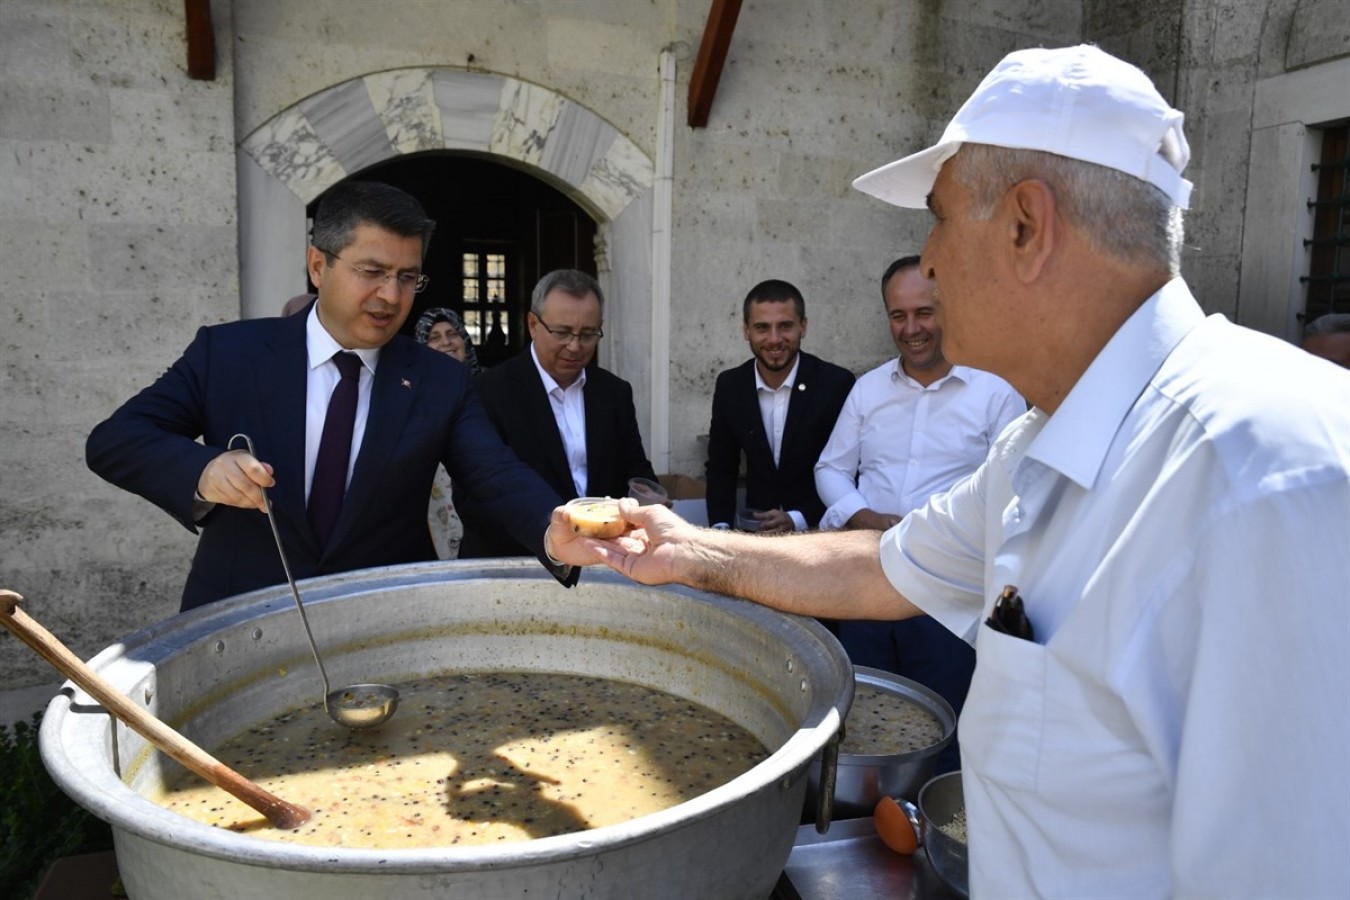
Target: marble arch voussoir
<point>351,126</point>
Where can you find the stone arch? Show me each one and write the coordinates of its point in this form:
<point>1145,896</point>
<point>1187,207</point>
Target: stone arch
<point>303,150</point>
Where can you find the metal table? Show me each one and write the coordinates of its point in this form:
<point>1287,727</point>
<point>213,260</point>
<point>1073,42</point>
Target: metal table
<point>849,862</point>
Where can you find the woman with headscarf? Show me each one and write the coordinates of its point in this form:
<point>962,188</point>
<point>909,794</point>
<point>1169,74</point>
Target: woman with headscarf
<point>443,330</point>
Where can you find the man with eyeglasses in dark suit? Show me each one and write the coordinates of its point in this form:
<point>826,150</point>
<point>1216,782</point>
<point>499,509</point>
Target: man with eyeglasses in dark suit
<point>273,379</point>
<point>570,420</point>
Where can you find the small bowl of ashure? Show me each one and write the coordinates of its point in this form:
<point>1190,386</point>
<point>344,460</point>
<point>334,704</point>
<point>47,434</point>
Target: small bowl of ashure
<point>893,734</point>
<point>596,517</point>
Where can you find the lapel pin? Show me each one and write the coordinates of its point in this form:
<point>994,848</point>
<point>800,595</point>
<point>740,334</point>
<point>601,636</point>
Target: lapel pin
<point>801,387</point>
<point>406,383</point>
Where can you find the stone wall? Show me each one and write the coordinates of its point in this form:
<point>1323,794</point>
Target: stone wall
<point>810,99</point>
<point>119,199</point>
<point>117,240</point>
<point>1203,57</point>
<point>1213,59</point>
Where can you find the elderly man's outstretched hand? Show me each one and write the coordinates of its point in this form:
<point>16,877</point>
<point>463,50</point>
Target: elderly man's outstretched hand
<point>647,552</point>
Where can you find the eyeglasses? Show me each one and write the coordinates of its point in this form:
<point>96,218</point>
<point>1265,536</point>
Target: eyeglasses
<point>374,276</point>
<point>587,338</point>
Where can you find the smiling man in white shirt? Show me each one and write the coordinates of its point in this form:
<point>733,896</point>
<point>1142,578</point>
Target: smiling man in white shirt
<point>914,425</point>
<point>910,428</point>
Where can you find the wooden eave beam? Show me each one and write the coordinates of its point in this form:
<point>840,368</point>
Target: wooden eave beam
<point>712,53</point>
<point>201,40</point>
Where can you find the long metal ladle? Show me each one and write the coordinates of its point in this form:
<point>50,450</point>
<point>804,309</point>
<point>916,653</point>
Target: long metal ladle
<point>354,706</point>
<point>277,811</point>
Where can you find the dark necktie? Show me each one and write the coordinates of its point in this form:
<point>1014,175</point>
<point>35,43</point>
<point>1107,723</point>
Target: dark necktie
<point>335,449</point>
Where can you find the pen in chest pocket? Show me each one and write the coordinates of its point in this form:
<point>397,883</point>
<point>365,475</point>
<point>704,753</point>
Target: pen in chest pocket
<point>1009,615</point>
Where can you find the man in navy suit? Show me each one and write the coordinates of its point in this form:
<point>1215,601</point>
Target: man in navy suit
<point>272,378</point>
<point>569,420</point>
<point>777,410</point>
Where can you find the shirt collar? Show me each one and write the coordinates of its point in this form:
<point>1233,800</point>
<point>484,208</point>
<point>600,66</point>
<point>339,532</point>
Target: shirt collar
<point>1078,435</point>
<point>321,345</point>
<point>959,373</point>
<point>788,382</point>
<point>551,383</point>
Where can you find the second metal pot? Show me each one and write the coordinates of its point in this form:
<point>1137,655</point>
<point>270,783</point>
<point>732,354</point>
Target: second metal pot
<point>940,801</point>
<point>862,780</point>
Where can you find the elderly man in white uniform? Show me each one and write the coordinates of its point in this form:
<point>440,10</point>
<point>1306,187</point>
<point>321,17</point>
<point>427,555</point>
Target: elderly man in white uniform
<point>1173,721</point>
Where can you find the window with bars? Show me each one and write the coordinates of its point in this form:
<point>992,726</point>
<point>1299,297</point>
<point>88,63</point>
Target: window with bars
<point>1328,278</point>
<point>487,316</point>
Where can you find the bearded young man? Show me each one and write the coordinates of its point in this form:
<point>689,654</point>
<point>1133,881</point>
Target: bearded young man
<point>775,411</point>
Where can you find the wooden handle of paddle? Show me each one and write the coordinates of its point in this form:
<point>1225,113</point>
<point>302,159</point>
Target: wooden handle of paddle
<point>277,811</point>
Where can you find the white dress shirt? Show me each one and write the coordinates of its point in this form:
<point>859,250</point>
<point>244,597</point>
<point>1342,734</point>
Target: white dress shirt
<point>897,442</point>
<point>569,412</point>
<point>1177,531</point>
<point>773,411</point>
<point>322,379</point>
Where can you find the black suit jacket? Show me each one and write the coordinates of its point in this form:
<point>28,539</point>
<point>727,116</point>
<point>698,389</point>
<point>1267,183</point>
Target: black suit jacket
<point>516,404</point>
<point>250,377</point>
<point>738,428</point>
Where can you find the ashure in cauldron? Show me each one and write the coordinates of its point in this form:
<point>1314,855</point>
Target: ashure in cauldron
<point>220,669</point>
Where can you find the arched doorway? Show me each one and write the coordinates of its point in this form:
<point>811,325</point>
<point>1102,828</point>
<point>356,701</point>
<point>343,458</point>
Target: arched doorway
<point>349,128</point>
<point>498,230</point>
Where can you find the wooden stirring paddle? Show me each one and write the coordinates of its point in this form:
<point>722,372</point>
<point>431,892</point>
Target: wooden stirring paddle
<point>277,811</point>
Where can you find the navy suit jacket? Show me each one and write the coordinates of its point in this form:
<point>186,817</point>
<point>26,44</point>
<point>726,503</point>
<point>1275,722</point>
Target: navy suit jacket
<point>516,404</point>
<point>249,377</point>
<point>738,428</point>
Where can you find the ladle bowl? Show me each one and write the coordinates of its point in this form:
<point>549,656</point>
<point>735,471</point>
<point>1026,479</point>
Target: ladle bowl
<point>361,705</point>
<point>356,706</point>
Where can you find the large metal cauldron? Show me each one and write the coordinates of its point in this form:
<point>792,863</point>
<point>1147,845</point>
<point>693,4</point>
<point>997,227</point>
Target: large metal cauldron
<point>217,670</point>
